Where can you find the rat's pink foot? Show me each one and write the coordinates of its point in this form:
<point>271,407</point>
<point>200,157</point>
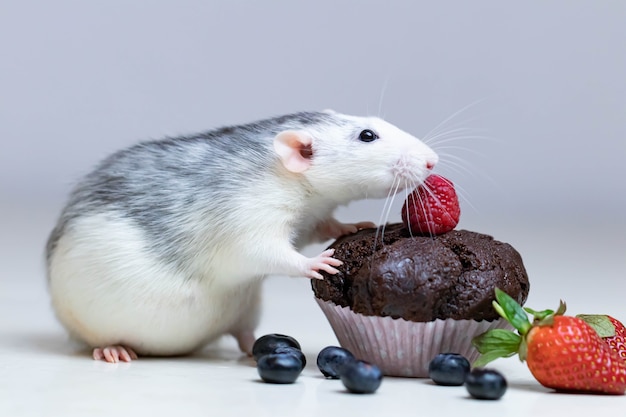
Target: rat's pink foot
<point>114,354</point>
<point>324,262</point>
<point>245,340</point>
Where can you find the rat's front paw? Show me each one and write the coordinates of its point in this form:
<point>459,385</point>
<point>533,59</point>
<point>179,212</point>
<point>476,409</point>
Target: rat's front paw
<point>324,262</point>
<point>355,227</point>
<point>333,229</point>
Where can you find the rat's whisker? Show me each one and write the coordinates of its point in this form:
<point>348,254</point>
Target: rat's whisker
<point>461,168</point>
<point>455,114</point>
<point>395,192</point>
<point>460,133</point>
<point>388,201</point>
<point>384,215</point>
<point>426,209</point>
<point>443,130</point>
<point>382,96</point>
<point>410,205</point>
<point>389,206</point>
<point>462,194</point>
<point>442,151</point>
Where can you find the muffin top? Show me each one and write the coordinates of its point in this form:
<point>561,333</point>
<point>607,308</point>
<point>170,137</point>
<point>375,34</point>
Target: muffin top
<point>423,278</point>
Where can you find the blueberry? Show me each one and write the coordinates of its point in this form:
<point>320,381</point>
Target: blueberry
<point>279,368</point>
<point>331,359</point>
<point>485,384</point>
<point>361,377</point>
<point>268,343</point>
<point>289,350</point>
<point>449,369</point>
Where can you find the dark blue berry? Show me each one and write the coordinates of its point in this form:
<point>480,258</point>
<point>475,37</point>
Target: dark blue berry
<point>361,377</point>
<point>267,344</point>
<point>485,384</point>
<point>289,350</point>
<point>331,359</point>
<point>277,368</point>
<point>449,369</point>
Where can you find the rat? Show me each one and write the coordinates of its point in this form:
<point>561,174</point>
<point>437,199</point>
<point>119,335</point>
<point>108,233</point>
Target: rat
<point>163,247</point>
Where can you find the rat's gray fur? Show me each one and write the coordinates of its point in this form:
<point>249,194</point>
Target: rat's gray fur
<point>163,247</point>
<point>155,183</point>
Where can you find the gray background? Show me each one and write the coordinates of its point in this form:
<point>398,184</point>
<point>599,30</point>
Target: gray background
<point>537,87</point>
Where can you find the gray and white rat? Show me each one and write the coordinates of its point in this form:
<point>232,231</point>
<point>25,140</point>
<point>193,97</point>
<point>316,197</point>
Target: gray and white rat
<point>164,246</point>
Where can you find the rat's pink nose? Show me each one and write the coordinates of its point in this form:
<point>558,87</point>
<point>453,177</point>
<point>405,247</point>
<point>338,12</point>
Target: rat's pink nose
<point>430,165</point>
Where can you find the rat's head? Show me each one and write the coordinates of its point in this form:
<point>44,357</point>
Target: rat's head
<point>354,157</point>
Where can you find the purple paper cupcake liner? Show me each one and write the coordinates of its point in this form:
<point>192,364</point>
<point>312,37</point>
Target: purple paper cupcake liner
<point>400,347</point>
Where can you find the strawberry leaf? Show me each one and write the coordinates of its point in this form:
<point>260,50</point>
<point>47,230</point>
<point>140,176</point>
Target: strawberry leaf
<point>497,339</point>
<point>508,308</point>
<point>494,344</point>
<point>539,315</point>
<point>600,323</point>
<point>523,350</point>
<point>546,317</point>
<point>491,356</point>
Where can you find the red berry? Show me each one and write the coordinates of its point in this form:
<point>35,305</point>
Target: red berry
<point>562,352</point>
<point>432,208</point>
<point>569,356</point>
<point>611,330</point>
<point>617,342</point>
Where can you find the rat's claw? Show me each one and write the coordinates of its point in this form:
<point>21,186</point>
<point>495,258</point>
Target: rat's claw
<point>327,256</point>
<point>114,354</point>
<point>324,262</point>
<point>316,275</point>
<point>329,269</point>
<point>365,225</point>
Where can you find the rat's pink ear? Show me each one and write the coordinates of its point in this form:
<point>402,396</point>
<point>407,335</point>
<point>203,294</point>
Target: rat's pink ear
<point>294,149</point>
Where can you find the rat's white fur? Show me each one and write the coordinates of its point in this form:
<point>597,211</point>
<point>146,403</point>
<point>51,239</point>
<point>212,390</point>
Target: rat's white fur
<point>163,274</point>
<point>107,290</point>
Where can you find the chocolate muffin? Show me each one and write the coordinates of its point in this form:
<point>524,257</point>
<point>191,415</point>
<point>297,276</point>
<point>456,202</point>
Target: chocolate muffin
<point>399,300</point>
<point>422,278</point>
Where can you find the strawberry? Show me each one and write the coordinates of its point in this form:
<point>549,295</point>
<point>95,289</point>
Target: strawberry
<point>562,352</point>
<point>611,330</point>
<point>432,208</point>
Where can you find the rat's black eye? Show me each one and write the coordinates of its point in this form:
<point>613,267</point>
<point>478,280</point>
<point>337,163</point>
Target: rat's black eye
<point>368,136</point>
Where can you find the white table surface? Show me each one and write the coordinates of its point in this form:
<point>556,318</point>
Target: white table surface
<point>43,374</point>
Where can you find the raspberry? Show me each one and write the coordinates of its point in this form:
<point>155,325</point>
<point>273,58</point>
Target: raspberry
<point>432,208</point>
